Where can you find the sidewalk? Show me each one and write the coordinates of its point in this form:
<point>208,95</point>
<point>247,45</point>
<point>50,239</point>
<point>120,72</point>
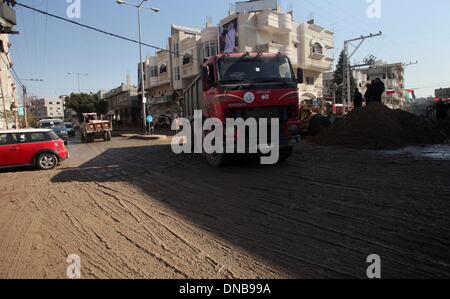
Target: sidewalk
<point>137,133</point>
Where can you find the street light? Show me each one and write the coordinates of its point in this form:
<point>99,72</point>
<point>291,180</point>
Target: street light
<point>78,75</point>
<point>141,63</point>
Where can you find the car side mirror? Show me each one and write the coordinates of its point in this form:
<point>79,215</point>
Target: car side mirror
<point>205,77</point>
<point>300,75</point>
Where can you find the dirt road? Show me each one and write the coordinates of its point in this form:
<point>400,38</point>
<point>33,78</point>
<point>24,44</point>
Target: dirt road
<point>132,209</point>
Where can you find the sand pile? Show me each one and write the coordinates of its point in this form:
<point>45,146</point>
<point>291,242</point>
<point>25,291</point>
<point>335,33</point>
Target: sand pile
<point>378,127</point>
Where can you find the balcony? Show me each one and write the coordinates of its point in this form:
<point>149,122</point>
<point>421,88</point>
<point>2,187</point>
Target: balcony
<point>189,70</point>
<point>274,48</point>
<point>274,22</point>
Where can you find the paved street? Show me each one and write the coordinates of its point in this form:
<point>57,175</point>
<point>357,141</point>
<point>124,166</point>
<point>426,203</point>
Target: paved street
<point>131,208</point>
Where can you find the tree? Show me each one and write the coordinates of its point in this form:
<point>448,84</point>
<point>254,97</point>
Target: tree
<point>86,103</point>
<point>339,77</point>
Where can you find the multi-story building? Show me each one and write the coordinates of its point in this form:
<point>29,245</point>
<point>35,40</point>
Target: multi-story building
<point>7,84</point>
<point>123,104</point>
<point>47,108</point>
<point>392,75</point>
<point>255,26</point>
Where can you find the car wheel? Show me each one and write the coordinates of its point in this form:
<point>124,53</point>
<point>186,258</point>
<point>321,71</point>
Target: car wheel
<point>46,161</point>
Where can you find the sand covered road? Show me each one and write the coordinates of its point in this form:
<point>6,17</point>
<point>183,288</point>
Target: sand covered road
<point>132,209</point>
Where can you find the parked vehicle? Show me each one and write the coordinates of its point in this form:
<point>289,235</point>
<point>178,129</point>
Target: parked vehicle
<point>41,148</point>
<point>70,129</point>
<point>93,128</point>
<point>247,86</point>
<point>57,125</point>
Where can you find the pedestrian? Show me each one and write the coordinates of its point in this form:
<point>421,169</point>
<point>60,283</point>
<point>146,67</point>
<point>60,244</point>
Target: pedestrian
<point>358,100</point>
<point>378,90</point>
<point>369,94</point>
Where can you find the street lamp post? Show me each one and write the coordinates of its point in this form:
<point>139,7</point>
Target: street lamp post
<point>141,62</point>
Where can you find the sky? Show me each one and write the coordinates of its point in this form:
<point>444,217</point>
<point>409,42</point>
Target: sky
<point>48,49</point>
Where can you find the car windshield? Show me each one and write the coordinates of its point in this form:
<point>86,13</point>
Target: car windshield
<point>258,69</point>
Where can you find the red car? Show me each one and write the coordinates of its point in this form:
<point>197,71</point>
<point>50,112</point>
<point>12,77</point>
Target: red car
<point>41,148</point>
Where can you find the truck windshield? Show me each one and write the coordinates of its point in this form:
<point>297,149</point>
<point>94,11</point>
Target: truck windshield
<point>258,69</point>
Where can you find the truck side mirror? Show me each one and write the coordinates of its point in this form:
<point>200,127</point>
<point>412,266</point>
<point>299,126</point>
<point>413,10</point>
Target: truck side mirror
<point>300,75</point>
<point>205,77</point>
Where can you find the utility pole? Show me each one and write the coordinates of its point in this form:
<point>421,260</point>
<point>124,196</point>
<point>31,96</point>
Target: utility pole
<point>347,92</point>
<point>25,99</point>
<point>25,106</point>
<point>141,62</point>
<point>5,112</point>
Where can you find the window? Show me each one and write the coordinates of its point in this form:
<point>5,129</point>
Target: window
<point>7,139</point>
<point>36,137</point>
<point>209,49</point>
<point>50,103</point>
<point>187,59</point>
<point>153,71</point>
<point>317,48</point>
<point>177,73</point>
<point>176,49</point>
<point>277,69</point>
<point>163,69</point>
<point>310,80</point>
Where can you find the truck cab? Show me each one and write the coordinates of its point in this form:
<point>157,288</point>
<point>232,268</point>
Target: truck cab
<point>248,85</point>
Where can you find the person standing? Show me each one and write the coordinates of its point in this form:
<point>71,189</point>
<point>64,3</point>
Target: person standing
<point>369,94</point>
<point>358,100</point>
<point>378,89</point>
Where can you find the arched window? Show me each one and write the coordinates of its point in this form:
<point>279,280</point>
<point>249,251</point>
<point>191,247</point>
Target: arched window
<point>317,48</point>
<point>187,59</point>
<point>163,69</point>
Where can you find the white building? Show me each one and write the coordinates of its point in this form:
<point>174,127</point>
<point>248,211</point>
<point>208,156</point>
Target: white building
<point>258,26</point>
<point>8,92</point>
<point>392,75</point>
<point>48,108</point>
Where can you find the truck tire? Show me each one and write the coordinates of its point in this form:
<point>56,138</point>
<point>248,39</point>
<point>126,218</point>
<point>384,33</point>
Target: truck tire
<point>106,137</point>
<point>318,124</point>
<point>109,136</point>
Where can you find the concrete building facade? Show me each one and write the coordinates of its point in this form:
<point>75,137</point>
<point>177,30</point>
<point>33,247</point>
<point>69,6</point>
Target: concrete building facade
<point>268,29</point>
<point>8,87</point>
<point>47,108</point>
<point>392,75</point>
<point>123,105</point>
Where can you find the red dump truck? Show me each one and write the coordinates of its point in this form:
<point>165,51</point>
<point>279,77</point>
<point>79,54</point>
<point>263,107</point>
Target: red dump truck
<point>247,86</point>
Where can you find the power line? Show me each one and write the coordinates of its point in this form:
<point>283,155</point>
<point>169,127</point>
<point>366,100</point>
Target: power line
<point>98,30</point>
